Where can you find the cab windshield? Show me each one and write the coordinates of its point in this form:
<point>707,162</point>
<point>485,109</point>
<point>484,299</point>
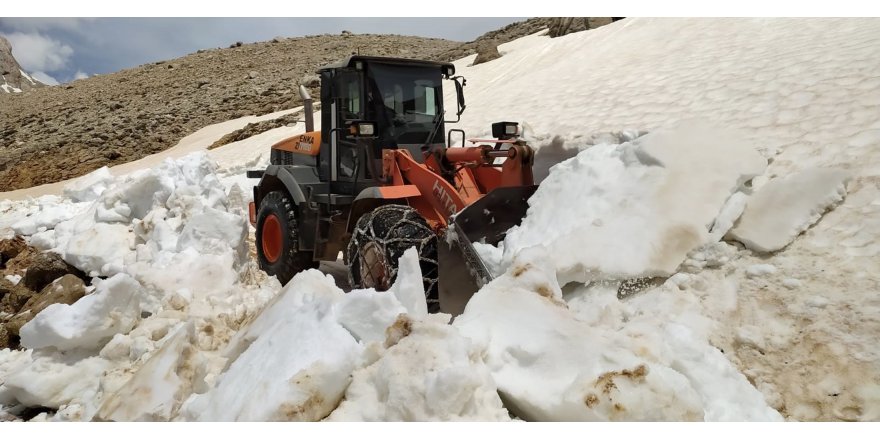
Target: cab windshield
<point>406,100</point>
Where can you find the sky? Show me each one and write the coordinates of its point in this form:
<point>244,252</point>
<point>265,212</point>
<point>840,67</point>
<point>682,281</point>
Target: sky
<point>58,50</point>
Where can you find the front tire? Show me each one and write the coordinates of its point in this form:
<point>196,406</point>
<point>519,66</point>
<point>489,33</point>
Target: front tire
<point>380,238</point>
<point>277,238</point>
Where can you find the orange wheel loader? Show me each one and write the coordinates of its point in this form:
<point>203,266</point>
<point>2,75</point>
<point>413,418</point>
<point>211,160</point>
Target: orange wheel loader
<point>380,177</point>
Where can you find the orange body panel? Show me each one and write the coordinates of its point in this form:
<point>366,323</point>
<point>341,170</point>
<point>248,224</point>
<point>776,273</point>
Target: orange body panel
<point>475,175</point>
<point>306,143</point>
<point>399,192</point>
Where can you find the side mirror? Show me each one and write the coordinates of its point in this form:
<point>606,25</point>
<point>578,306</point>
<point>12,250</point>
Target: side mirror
<point>459,92</point>
<point>363,129</point>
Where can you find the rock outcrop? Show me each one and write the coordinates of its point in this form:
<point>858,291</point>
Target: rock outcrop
<point>12,78</point>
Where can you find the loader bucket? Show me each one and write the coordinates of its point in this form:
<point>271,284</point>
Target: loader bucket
<point>462,271</point>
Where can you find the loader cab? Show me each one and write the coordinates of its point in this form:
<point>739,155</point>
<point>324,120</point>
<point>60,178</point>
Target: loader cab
<point>403,97</point>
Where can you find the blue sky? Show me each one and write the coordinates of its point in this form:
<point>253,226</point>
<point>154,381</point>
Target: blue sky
<point>63,49</point>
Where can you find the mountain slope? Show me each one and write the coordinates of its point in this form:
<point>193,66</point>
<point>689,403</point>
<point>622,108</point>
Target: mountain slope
<point>63,132</point>
<point>12,78</point>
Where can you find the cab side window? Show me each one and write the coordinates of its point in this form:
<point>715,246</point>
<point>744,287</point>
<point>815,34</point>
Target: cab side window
<point>351,102</point>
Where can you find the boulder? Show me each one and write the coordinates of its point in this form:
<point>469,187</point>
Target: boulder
<point>13,296</point>
<point>487,51</point>
<point>65,290</point>
<point>10,248</point>
<point>46,267</point>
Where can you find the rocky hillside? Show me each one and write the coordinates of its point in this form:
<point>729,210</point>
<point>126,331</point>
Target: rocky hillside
<point>558,26</point>
<point>12,78</point>
<point>61,132</point>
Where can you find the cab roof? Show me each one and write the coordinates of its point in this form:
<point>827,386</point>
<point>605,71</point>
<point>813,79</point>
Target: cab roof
<point>351,60</point>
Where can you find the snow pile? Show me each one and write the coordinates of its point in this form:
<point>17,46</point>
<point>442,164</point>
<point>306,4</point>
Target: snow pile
<point>635,209</point>
<point>785,207</point>
<point>402,368</point>
<point>554,361</point>
<point>178,287</point>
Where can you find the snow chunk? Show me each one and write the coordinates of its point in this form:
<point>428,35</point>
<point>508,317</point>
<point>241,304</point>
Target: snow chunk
<point>297,339</point>
<point>49,212</point>
<point>89,187</point>
<point>213,232</point>
<point>759,270</point>
<point>136,195</point>
<point>52,380</point>
<point>409,288</point>
<point>635,209</point>
<point>111,309</point>
<point>432,374</point>
<point>155,391</point>
<point>367,313</point>
<point>792,283</point>
<point>783,208</point>
<point>99,251</point>
<point>14,279</point>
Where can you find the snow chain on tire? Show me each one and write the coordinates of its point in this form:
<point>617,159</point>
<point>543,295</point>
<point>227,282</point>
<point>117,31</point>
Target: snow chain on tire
<point>391,230</point>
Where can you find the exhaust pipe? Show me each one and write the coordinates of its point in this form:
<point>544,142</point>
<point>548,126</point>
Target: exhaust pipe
<point>307,108</point>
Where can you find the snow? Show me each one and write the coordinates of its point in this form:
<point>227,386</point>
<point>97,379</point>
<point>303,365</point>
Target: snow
<point>27,77</point>
<point>785,207</point>
<point>14,279</point>
<point>8,88</point>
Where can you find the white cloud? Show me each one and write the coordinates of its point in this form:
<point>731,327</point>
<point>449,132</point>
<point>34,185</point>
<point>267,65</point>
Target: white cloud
<point>80,75</point>
<point>44,78</point>
<point>37,52</point>
<point>45,24</point>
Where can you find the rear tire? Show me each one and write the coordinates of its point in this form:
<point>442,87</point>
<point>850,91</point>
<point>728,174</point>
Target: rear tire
<point>277,238</point>
<point>380,238</point>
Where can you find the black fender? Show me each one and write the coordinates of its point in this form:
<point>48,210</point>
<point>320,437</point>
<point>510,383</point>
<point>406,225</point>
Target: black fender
<point>277,177</point>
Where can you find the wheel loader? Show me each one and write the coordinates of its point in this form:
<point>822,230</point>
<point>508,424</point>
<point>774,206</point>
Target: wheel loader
<point>381,176</point>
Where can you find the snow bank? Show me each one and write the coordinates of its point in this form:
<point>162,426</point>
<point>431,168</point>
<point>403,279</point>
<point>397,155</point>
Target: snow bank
<point>296,359</point>
<point>179,285</point>
<point>635,209</point>
<point>785,207</point>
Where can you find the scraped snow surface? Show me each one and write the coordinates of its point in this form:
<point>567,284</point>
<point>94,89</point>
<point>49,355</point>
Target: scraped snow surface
<point>657,147</point>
